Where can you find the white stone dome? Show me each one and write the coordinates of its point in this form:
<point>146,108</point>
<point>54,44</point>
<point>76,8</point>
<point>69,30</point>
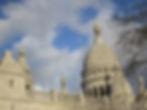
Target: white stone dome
<point>101,55</point>
<point>102,74</point>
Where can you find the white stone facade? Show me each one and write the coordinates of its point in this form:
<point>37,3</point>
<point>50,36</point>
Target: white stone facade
<point>104,85</point>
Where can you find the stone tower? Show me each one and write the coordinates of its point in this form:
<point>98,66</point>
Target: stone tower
<point>24,65</point>
<point>15,82</point>
<point>102,74</point>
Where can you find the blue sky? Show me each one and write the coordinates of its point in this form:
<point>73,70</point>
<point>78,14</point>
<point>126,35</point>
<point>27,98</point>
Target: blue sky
<point>52,37</point>
<point>70,39</point>
<point>66,37</point>
<point>3,3</point>
<point>55,34</point>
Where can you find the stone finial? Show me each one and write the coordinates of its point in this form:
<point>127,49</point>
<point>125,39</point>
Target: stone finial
<point>141,84</point>
<point>21,52</point>
<point>63,84</point>
<point>7,53</point>
<point>97,29</point>
<point>22,60</point>
<point>64,89</point>
<point>7,58</point>
<point>97,32</point>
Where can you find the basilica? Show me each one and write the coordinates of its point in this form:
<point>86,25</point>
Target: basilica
<point>103,83</point>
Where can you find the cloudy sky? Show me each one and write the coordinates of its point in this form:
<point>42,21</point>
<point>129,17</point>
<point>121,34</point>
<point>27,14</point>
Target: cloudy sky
<point>55,34</point>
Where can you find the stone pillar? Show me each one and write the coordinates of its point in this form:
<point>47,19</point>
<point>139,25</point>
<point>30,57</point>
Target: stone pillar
<point>63,85</point>
<point>54,95</point>
<point>82,98</point>
<point>22,60</point>
<point>97,32</point>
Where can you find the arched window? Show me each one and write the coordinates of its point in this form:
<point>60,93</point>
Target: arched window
<point>28,87</point>
<point>108,90</point>
<point>95,92</point>
<point>102,91</point>
<point>107,78</point>
<point>11,83</point>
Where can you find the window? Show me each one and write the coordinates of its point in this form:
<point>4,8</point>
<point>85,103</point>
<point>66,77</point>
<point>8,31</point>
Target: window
<point>102,91</point>
<point>108,90</point>
<point>11,83</point>
<point>28,87</point>
<point>107,78</point>
<point>95,92</point>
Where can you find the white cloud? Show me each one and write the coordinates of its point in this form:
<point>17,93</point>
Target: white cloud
<point>49,64</point>
<point>38,20</point>
<point>39,17</point>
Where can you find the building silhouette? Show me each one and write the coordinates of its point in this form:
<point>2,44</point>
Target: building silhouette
<point>104,85</point>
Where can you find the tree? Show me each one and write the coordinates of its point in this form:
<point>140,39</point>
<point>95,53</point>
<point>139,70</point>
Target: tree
<point>133,40</point>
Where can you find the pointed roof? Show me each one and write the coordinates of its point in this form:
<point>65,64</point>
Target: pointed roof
<point>8,64</point>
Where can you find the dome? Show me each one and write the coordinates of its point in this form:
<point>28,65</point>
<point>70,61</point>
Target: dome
<point>99,63</point>
<point>102,74</point>
<point>100,55</point>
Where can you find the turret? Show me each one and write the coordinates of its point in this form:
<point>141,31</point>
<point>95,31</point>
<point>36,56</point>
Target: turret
<point>63,85</point>
<point>97,32</point>
<point>22,60</point>
<point>29,87</point>
<point>12,78</point>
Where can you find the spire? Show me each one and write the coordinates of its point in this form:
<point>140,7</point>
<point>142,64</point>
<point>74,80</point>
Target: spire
<point>22,60</point>
<point>63,84</point>
<point>7,58</point>
<point>7,54</point>
<point>21,52</point>
<point>97,32</point>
